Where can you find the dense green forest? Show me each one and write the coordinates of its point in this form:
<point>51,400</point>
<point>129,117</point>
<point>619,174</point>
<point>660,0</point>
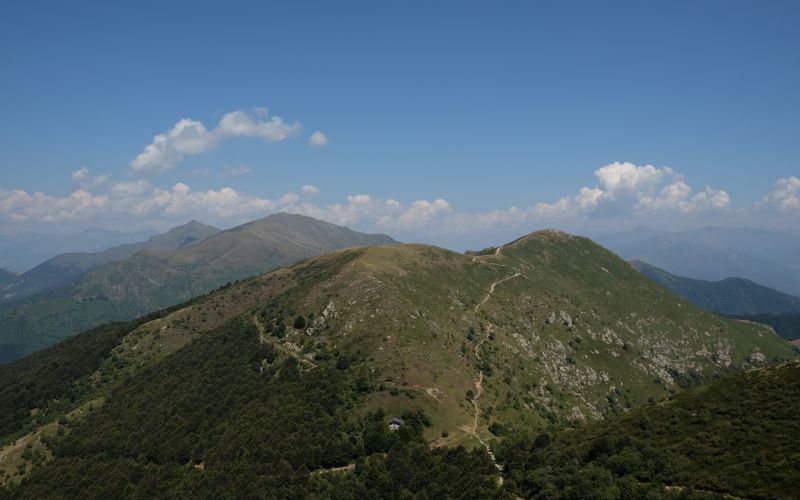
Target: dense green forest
<point>229,417</point>
<point>786,325</point>
<point>737,436</point>
<point>45,380</point>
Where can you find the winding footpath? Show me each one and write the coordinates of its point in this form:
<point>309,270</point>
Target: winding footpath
<point>491,289</point>
<point>479,379</point>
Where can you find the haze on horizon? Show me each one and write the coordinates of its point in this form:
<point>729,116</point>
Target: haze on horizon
<point>449,123</point>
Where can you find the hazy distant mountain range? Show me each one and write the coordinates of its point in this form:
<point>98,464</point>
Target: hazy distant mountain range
<point>735,297</point>
<point>69,267</point>
<point>21,252</point>
<point>6,277</point>
<point>770,258</point>
<point>74,292</point>
<point>730,296</point>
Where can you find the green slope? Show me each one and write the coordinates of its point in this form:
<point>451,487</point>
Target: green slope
<point>251,387</point>
<point>732,438</point>
<point>731,296</point>
<point>169,269</point>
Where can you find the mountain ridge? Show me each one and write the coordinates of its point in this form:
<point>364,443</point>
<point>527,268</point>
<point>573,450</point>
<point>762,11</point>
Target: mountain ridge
<point>156,277</point>
<point>729,296</point>
<point>65,268</point>
<point>22,252</point>
<point>715,253</point>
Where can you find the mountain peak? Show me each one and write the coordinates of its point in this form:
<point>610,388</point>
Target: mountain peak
<point>549,234</point>
<point>553,233</point>
<point>181,236</point>
<point>192,224</point>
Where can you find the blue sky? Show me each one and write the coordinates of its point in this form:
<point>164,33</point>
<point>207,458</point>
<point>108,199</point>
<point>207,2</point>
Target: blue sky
<point>480,106</point>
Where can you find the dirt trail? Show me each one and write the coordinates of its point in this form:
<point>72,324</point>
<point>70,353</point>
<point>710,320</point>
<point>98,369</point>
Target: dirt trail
<point>433,392</point>
<point>679,489</point>
<point>492,287</point>
<point>344,468</point>
<point>479,379</point>
<point>476,416</point>
<point>479,258</point>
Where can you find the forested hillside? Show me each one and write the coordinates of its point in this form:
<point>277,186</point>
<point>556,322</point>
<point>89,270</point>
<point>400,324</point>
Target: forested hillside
<point>736,438</point>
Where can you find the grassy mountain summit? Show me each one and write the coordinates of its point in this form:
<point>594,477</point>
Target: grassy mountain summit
<point>170,268</point>
<point>731,296</point>
<point>277,379</point>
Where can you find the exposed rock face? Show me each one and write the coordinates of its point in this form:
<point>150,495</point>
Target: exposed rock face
<point>757,358</point>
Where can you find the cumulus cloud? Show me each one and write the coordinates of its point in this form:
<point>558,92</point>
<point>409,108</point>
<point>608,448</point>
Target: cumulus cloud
<point>785,197</point>
<point>638,189</point>
<point>19,206</point>
<point>363,210</point>
<point>256,124</point>
<point>80,174</point>
<point>622,189</point>
<point>626,177</point>
<point>318,139</point>
<point>83,179</point>
<point>189,137</point>
<point>140,200</point>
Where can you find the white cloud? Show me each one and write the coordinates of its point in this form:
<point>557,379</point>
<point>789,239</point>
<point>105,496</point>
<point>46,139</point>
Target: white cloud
<point>785,197</point>
<point>318,139</point>
<point>19,206</point>
<point>189,137</point>
<point>256,124</point>
<point>82,178</point>
<point>235,171</point>
<point>622,191</point>
<point>80,174</point>
<point>589,198</point>
<point>626,177</point>
<point>625,188</point>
